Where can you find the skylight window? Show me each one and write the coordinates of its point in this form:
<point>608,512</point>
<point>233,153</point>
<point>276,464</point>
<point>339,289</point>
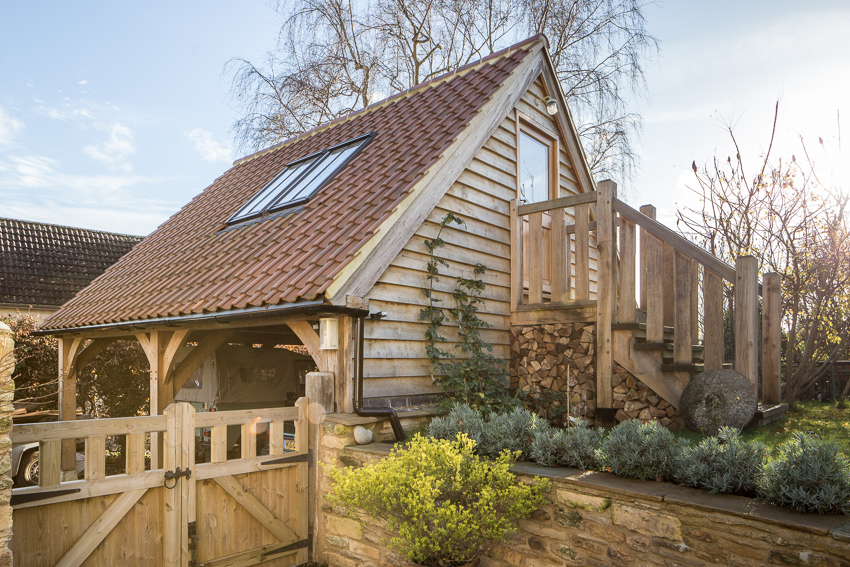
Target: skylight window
<point>300,180</point>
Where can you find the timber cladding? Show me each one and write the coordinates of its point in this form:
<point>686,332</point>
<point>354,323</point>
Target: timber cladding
<point>395,348</point>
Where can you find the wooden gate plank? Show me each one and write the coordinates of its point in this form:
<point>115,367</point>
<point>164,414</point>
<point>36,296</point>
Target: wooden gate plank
<point>248,501</point>
<point>249,558</point>
<point>99,529</point>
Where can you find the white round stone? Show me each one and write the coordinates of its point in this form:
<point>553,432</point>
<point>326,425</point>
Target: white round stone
<point>362,435</point>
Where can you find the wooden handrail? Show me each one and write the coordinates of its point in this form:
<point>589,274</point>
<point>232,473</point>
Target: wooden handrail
<point>559,203</point>
<point>679,243</point>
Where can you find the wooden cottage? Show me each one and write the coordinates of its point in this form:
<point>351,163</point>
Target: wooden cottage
<point>325,232</point>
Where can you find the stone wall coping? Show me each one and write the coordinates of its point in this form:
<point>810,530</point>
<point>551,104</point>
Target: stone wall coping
<point>605,484</point>
<point>353,419</point>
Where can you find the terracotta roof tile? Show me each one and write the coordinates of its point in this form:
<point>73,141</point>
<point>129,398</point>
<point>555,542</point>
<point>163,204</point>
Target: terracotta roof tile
<point>190,265</point>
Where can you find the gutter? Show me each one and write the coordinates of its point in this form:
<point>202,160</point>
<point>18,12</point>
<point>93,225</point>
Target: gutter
<point>316,307</point>
<point>389,413</point>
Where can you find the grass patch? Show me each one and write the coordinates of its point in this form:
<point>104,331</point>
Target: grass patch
<point>810,416</point>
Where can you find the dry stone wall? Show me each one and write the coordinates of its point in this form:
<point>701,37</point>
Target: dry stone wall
<point>597,519</point>
<point>7,394</point>
<point>542,355</point>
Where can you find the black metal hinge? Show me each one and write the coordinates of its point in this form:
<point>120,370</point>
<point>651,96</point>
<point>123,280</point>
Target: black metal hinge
<point>291,547</point>
<point>300,458</point>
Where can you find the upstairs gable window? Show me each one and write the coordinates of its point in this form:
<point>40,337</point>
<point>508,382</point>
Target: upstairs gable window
<point>300,180</point>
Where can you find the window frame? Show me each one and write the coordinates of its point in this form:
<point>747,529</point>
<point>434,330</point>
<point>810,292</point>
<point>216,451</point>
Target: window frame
<point>526,125</point>
<point>275,207</point>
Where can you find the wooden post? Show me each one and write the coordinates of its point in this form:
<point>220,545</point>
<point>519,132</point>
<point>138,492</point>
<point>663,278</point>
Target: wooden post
<point>771,338</point>
<point>645,277</point>
<point>68,349</point>
<point>302,481</point>
<point>559,261</point>
<point>179,451</point>
<point>535,258</point>
<point>682,339</point>
<point>516,257</point>
<point>694,302</point>
<point>320,393</point>
<point>747,319</point>
<point>605,300</point>
<point>654,302</point>
<point>713,321</point>
<point>627,312</point>
<point>669,285</point>
<point>345,366</point>
<point>583,251</point>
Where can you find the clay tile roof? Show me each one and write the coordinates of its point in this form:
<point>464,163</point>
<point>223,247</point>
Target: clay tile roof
<point>46,264</point>
<point>190,265</point>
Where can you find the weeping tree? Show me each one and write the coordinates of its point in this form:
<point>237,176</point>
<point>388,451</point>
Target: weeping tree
<point>778,210</point>
<point>337,56</point>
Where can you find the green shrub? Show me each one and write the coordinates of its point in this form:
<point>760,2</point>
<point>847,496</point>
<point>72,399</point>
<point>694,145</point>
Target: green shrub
<point>443,501</point>
<point>809,475</point>
<point>512,431</point>
<point>460,419</point>
<point>722,464</point>
<point>642,451</point>
<point>571,447</point>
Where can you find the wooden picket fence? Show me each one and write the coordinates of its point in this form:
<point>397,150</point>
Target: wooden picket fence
<point>225,512</point>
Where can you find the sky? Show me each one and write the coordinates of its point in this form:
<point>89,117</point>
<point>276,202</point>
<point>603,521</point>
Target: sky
<point>113,115</point>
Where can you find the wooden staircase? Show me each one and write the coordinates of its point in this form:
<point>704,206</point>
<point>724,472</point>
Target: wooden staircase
<point>652,363</point>
<point>658,314</point>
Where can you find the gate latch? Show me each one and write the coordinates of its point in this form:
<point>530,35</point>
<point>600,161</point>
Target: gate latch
<point>175,474</point>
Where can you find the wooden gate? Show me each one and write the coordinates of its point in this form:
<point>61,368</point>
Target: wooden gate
<point>241,511</point>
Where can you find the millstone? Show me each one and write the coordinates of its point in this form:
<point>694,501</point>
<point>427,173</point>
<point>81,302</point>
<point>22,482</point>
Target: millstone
<point>716,398</point>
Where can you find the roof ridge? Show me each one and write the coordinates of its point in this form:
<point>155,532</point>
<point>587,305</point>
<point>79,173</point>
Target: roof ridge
<point>408,92</point>
<point>2,219</point>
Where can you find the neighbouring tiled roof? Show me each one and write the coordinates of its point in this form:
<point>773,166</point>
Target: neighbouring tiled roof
<point>46,264</point>
<point>189,265</point>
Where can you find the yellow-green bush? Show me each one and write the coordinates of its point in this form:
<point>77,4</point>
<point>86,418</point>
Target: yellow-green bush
<point>442,500</point>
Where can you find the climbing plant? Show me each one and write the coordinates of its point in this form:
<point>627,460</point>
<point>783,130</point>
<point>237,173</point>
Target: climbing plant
<point>469,372</point>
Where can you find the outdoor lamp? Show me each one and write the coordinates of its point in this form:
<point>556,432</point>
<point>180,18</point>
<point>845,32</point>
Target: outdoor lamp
<point>551,105</point>
<point>328,333</point>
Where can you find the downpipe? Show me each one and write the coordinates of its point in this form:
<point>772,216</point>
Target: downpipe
<point>389,413</point>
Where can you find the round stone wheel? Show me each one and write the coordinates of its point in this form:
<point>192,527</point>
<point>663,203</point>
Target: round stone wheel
<point>717,398</point>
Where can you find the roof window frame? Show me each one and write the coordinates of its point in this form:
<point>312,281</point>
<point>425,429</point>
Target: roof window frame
<point>277,204</point>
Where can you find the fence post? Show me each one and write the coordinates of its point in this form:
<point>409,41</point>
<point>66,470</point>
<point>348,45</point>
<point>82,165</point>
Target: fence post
<point>302,482</point>
<point>747,319</point>
<point>179,451</point>
<point>771,338</point>
<point>605,300</point>
<point>649,211</point>
<point>7,394</point>
<point>320,392</point>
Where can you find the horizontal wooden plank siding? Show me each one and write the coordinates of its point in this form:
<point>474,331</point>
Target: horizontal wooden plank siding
<point>395,357</point>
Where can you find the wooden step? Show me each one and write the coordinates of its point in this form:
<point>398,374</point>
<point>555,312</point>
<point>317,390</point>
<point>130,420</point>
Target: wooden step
<point>692,368</point>
<point>696,349</point>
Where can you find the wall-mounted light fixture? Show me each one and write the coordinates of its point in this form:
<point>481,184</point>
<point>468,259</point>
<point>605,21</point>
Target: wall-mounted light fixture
<point>551,105</point>
<point>328,333</point>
